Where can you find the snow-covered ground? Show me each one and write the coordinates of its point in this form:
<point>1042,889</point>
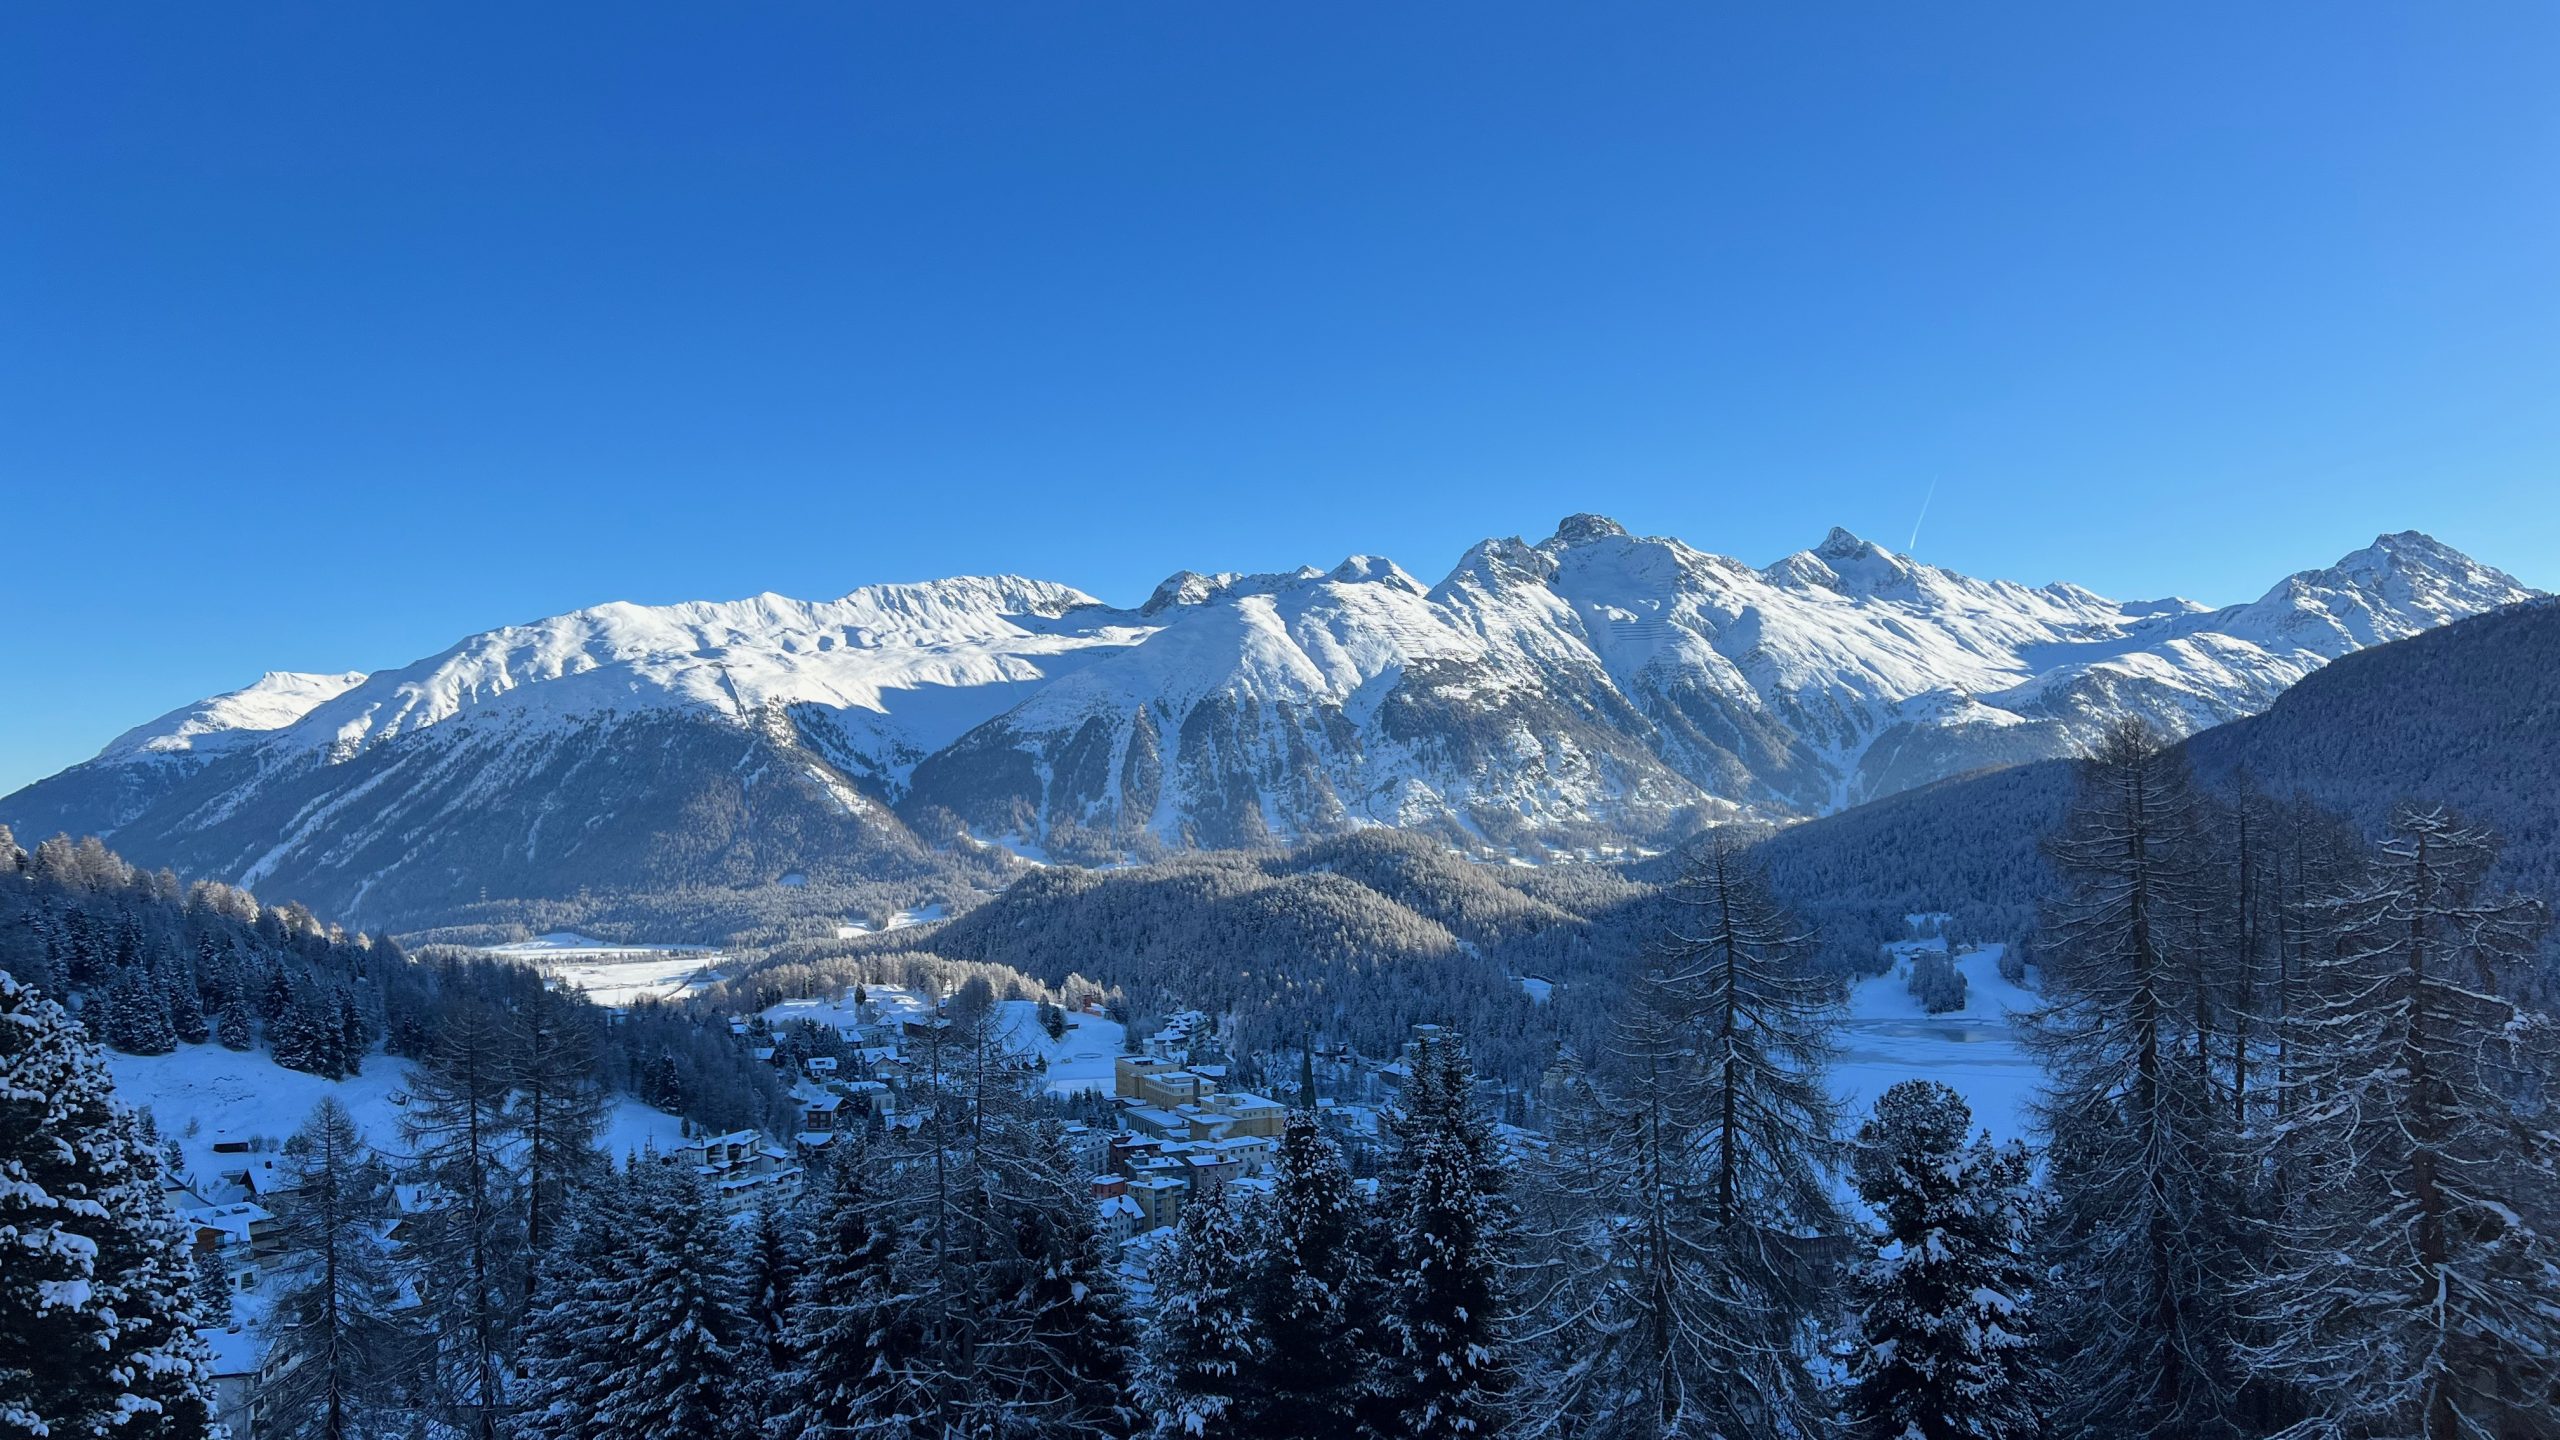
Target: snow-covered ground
<point>611,974</point>
<point>204,1095</point>
<point>1079,1060</point>
<point>1887,1037</point>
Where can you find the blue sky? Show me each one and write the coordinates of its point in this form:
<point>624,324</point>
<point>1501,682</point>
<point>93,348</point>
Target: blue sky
<point>331,333</point>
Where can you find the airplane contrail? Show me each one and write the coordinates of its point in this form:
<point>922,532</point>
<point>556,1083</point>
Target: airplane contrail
<point>1924,515</point>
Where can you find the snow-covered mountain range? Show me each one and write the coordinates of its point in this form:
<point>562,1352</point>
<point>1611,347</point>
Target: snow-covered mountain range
<point>1592,686</point>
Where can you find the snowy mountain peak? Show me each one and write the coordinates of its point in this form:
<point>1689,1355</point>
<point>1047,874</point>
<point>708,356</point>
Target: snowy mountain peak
<point>1840,544</point>
<point>1583,529</point>
<point>273,701</point>
<point>2399,585</point>
<point>1374,570</point>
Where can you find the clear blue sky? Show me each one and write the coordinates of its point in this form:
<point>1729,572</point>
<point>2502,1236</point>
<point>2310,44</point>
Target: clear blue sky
<point>329,333</point>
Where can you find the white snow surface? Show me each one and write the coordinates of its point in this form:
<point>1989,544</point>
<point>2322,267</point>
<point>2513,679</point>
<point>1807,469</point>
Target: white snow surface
<point>270,703</point>
<point>1886,1037</point>
<point>610,973</point>
<point>225,1095</point>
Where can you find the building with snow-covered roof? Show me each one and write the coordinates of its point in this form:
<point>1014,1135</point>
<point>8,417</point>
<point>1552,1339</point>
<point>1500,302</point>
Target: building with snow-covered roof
<point>1159,1199</point>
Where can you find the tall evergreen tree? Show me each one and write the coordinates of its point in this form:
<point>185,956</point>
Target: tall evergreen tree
<point>683,1331</point>
<point>844,1339</point>
<point>2415,1286</point>
<point>558,1108</point>
<point>1307,1296</point>
<point>98,1317</point>
<point>570,1353</point>
<point>333,1333</point>
<point>1203,1347</point>
<point>1947,1343</point>
<point>1449,1229</point>
<point>466,1241</point>
<point>232,1029</point>
<point>2144,1163</point>
<point>136,1015</point>
<point>776,1253</point>
<point>1731,1027</point>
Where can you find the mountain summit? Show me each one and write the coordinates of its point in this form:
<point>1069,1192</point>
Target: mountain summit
<point>1596,687</point>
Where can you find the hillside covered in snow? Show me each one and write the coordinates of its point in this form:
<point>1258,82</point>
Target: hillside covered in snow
<point>1594,688</point>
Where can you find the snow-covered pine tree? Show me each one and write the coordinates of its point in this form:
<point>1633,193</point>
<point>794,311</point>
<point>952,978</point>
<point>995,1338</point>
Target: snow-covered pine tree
<point>848,1334</point>
<point>569,1355</point>
<point>1449,1230</point>
<point>662,1084</point>
<point>776,1252</point>
<point>682,1332</point>
<point>2143,1160</point>
<point>333,1334</point>
<point>98,1317</point>
<point>2414,1289</point>
<point>1947,1343</point>
<point>214,1292</point>
<point>187,1021</point>
<point>1203,1347</point>
<point>466,1240</point>
<point>232,1028</point>
<point>1307,1297</point>
<point>136,1015</point>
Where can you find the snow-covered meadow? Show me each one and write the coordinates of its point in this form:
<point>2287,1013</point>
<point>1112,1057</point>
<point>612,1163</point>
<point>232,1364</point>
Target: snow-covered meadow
<point>1886,1037</point>
<point>611,974</point>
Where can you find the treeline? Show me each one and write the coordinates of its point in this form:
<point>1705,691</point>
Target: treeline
<point>148,964</point>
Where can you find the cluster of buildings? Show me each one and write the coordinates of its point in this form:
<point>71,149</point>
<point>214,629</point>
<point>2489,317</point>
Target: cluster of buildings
<point>1180,1132</point>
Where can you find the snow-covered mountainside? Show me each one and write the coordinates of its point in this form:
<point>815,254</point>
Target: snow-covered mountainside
<point>1595,686</point>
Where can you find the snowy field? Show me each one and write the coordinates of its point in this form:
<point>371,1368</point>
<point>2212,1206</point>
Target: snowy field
<point>1887,1037</point>
<point>203,1095</point>
<point>904,919</point>
<point>1080,1060</point>
<point>611,974</point>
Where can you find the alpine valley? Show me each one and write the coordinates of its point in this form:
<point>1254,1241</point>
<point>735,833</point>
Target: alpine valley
<point>1595,691</point>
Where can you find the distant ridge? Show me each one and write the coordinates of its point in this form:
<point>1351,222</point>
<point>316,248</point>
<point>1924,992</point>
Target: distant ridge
<point>1594,689</point>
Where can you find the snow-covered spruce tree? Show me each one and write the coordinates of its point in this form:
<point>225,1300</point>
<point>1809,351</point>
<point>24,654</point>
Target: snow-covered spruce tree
<point>683,1330</point>
<point>136,1015</point>
<point>1446,1217</point>
<point>1307,1297</point>
<point>842,1337</point>
<point>1203,1347</point>
<point>777,1250</point>
<point>465,1243</point>
<point>214,1292</point>
<point>2142,1237</point>
<point>2414,1289</point>
<point>1947,1344</point>
<point>98,1317</point>
<point>333,1335</point>
<point>187,1023</point>
<point>569,1356</point>
<point>231,1027</point>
